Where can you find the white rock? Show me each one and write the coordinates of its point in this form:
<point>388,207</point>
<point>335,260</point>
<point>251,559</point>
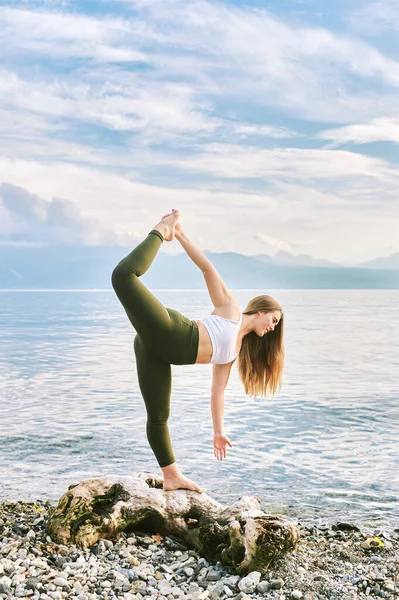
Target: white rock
<point>39,563</point>
<point>164,587</point>
<point>301,571</point>
<point>296,594</point>
<point>248,584</point>
<point>177,592</point>
<point>31,534</point>
<point>8,565</point>
<point>60,582</point>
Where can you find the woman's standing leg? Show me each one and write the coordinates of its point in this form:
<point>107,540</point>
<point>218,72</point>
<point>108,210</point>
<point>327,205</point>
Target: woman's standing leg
<point>155,381</point>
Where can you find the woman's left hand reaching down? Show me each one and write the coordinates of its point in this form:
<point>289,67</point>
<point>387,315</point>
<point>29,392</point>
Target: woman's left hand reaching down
<point>220,441</point>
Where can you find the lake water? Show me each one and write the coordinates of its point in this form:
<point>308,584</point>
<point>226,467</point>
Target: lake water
<point>325,448</point>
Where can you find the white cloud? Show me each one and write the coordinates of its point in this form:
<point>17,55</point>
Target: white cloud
<point>307,219</point>
<point>232,161</point>
<point>217,50</point>
<point>245,130</point>
<point>69,35</point>
<point>132,107</point>
<point>375,17</point>
<point>28,219</point>
<point>273,242</point>
<point>167,83</point>
<point>384,129</point>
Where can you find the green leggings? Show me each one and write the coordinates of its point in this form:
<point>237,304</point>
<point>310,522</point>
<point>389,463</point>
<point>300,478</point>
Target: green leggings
<point>164,337</point>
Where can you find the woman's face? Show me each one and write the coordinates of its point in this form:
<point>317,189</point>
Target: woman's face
<point>266,322</point>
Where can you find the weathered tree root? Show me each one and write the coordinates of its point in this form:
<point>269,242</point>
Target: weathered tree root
<point>240,535</point>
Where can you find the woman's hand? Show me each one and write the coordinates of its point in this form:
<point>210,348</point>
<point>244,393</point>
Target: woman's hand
<point>178,230</point>
<point>220,441</point>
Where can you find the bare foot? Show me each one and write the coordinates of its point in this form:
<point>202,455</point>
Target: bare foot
<point>167,225</point>
<point>179,483</point>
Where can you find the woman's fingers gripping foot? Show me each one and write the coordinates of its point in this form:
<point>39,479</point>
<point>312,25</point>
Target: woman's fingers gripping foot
<point>168,224</point>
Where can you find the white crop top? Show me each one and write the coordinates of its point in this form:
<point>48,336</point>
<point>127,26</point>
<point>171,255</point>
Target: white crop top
<point>223,333</point>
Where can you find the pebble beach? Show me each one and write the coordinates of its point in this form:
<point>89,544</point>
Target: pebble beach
<point>336,561</point>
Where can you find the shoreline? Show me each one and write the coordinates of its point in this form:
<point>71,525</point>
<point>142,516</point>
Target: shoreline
<point>336,561</point>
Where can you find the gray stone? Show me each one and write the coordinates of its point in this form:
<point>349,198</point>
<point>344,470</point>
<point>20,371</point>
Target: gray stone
<point>277,584</point>
<point>216,590</point>
<point>232,580</point>
<point>248,584</point>
<point>214,576</point>
<point>177,592</point>
<point>263,587</point>
<point>375,558</point>
<point>166,569</point>
<point>31,582</point>
<point>242,596</point>
<point>202,575</point>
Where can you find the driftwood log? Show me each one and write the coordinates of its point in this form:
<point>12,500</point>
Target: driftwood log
<point>240,535</point>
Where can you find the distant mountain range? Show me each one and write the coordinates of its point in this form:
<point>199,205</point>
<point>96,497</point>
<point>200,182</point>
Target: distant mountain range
<point>285,258</point>
<point>87,267</point>
<point>389,262</point>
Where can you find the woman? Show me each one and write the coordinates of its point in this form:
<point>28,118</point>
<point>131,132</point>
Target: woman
<point>165,337</point>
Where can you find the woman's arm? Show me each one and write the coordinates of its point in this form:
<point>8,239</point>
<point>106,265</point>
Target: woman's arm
<point>220,377</point>
<point>220,295</point>
<point>196,255</point>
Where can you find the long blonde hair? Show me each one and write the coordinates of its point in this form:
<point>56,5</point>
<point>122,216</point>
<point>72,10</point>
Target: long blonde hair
<point>261,359</point>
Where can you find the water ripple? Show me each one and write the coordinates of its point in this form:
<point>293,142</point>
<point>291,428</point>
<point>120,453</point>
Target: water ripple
<point>325,447</point>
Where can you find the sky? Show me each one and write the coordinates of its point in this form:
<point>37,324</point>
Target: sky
<point>270,125</point>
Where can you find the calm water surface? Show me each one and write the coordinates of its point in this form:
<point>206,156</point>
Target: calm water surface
<point>326,447</point>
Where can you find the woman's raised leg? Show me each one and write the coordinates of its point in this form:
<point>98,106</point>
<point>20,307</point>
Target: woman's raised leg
<point>145,312</point>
